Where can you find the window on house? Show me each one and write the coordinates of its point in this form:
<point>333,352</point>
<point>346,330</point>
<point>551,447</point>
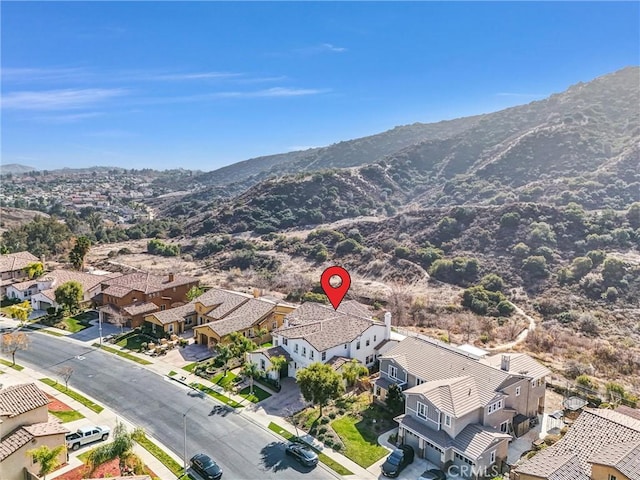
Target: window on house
<point>358,345</point>
<point>393,371</point>
<point>285,341</point>
<point>171,328</point>
<point>162,307</point>
<point>324,356</point>
<point>275,342</point>
<point>419,381</point>
<point>262,364</point>
<point>518,391</point>
<point>422,410</point>
<point>504,427</point>
<point>346,346</point>
<point>367,343</point>
<point>493,457</point>
<point>374,338</point>
<point>304,351</point>
<point>612,477</point>
<point>295,348</point>
<point>251,334</point>
<point>311,354</point>
<point>447,420</point>
<point>274,325</point>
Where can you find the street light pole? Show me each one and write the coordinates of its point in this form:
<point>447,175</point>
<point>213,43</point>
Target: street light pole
<point>184,424</point>
<point>100,326</point>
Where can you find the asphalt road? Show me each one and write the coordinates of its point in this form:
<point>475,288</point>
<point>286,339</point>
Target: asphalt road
<point>244,450</point>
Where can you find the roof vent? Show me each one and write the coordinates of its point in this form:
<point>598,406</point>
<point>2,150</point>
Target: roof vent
<point>505,363</point>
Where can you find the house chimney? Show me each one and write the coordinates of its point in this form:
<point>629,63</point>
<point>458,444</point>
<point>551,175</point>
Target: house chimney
<point>505,363</point>
<point>256,293</point>
<point>171,277</point>
<point>387,325</point>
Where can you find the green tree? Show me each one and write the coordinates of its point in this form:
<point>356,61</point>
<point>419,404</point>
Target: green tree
<point>536,266</point>
<point>352,371</point>
<point>251,371</point>
<point>633,215</point>
<point>47,458</point>
<point>277,364</point>
<point>194,292</point>
<point>240,345</point>
<point>505,308</point>
<point>613,271</point>
<point>21,311</point>
<point>34,269</point>
<point>79,252</point>
<point>521,250</point>
<point>492,282</point>
<point>224,355</point>
<point>395,399</point>
<point>580,267</point>
<point>319,383</point>
<point>69,295</point>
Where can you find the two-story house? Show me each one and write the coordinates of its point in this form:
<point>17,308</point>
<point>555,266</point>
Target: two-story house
<point>461,409</point>
<point>128,298</point>
<point>217,313</point>
<point>601,444</point>
<point>317,333</point>
<point>12,267</point>
<point>41,291</point>
<point>25,425</point>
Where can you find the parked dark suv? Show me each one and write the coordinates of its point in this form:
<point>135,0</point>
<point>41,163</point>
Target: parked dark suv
<point>204,466</point>
<point>397,461</point>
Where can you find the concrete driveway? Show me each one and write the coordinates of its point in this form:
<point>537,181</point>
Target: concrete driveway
<point>92,334</point>
<point>285,402</point>
<point>411,472</point>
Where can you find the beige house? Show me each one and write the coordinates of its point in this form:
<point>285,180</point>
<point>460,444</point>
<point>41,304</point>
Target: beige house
<point>12,269</point>
<point>461,410</point>
<point>24,425</point>
<point>601,445</point>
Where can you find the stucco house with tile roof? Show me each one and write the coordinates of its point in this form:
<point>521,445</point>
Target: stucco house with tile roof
<point>25,424</point>
<point>12,269</point>
<point>600,445</point>
<point>41,291</point>
<point>317,333</point>
<point>461,410</point>
<point>126,299</point>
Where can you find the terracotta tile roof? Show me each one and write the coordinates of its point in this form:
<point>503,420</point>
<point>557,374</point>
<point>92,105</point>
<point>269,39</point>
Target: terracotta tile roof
<point>12,262</point>
<point>323,327</point>
<point>139,308</point>
<point>176,314</point>
<point>45,429</point>
<point>519,364</point>
<point>13,442</point>
<point>222,301</point>
<point>625,457</point>
<point>245,316</point>
<point>436,361</point>
<point>19,399</point>
<point>146,282</point>
<point>590,433</point>
<point>116,291</point>
<point>455,396</point>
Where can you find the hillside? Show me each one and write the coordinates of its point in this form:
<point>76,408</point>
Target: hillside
<point>14,168</point>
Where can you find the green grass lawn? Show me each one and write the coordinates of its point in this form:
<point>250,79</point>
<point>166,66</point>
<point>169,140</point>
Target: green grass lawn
<point>360,442</point>
<point>172,373</point>
<point>67,416</point>
<point>134,342</point>
<point>266,345</point>
<point>122,354</point>
<point>7,363</point>
<point>258,394</point>
<point>189,368</point>
<point>160,454</point>
<point>51,332</point>
<point>74,325</point>
<point>75,395</point>
<point>328,461</point>
<point>218,396</point>
<point>223,381</point>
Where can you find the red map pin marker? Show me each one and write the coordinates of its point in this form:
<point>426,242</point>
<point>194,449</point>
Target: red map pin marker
<point>335,294</point>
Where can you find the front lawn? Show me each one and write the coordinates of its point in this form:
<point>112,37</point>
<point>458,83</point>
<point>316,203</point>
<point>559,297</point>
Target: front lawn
<point>122,354</point>
<point>73,324</point>
<point>360,441</point>
<point>189,368</point>
<point>160,454</point>
<point>224,381</point>
<point>75,395</point>
<point>218,396</point>
<point>67,415</point>
<point>258,394</point>
<point>6,363</point>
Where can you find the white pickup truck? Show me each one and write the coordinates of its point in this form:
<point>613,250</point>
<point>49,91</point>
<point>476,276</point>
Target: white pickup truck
<point>86,435</point>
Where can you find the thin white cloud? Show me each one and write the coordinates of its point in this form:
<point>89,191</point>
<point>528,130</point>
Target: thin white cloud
<point>194,76</point>
<point>68,118</point>
<point>271,92</point>
<point>66,99</point>
<point>322,48</point>
<point>111,134</point>
<point>23,75</point>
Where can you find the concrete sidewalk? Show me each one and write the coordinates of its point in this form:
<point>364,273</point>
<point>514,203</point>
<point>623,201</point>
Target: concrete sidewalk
<point>106,417</point>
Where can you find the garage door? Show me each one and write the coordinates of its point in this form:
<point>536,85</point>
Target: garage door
<point>413,440</point>
<point>465,466</point>
<point>432,453</point>
<point>44,305</point>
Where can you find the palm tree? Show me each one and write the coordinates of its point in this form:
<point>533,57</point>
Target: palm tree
<point>352,371</point>
<point>277,364</point>
<point>251,371</point>
<point>224,354</point>
<point>34,270</point>
<point>260,333</point>
<point>47,458</point>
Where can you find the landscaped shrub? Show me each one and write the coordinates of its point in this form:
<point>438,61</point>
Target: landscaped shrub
<point>337,446</point>
<point>332,415</point>
<point>322,430</point>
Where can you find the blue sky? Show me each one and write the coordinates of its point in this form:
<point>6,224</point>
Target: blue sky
<point>205,84</point>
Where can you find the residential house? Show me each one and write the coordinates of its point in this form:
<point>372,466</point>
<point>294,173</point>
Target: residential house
<point>317,333</point>
<point>41,291</point>
<point>25,425</point>
<point>12,269</point>
<point>128,298</point>
<point>461,409</point>
<point>600,445</point>
<point>218,313</point>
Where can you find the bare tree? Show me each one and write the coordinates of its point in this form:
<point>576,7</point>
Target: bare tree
<point>12,342</point>
<point>468,325</point>
<point>65,373</point>
<point>399,302</point>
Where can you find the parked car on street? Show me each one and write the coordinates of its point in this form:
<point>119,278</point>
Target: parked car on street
<point>204,466</point>
<point>86,435</point>
<point>397,461</point>
<point>302,454</point>
<point>433,474</point>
